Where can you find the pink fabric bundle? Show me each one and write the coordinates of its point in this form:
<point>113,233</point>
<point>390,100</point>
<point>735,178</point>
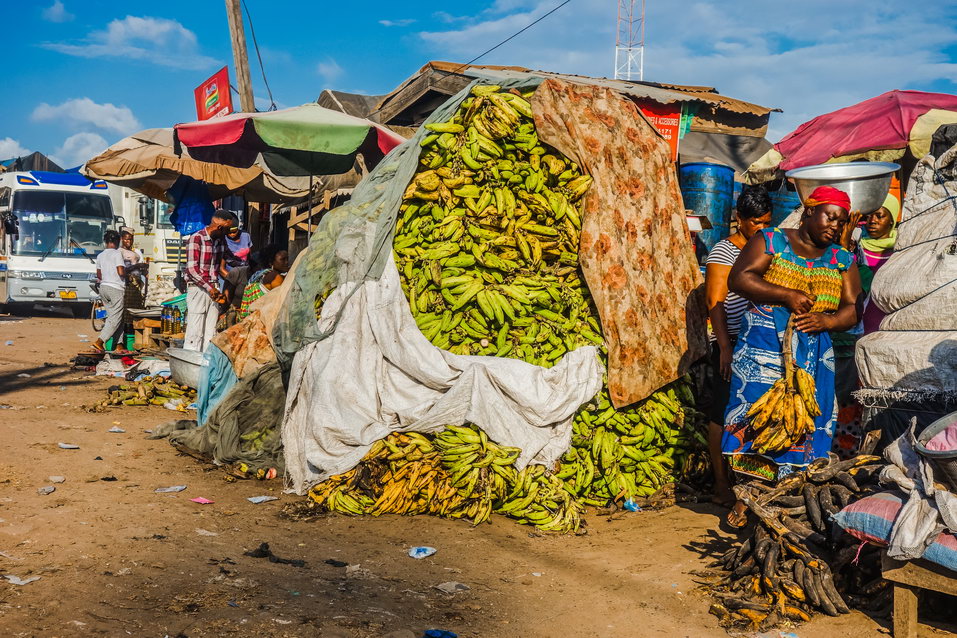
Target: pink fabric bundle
<point>945,440</point>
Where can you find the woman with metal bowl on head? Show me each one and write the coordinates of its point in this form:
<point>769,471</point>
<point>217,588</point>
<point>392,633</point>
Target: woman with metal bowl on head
<point>799,276</point>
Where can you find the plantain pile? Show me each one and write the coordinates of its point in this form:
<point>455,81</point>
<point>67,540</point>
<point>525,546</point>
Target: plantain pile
<point>487,239</point>
<point>785,414</point>
<point>147,391</point>
<point>795,562</point>
<point>623,454</point>
<point>486,245</point>
<point>459,473</point>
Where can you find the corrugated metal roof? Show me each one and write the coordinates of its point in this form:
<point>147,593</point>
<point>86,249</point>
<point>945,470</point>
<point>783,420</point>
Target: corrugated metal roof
<point>412,100</point>
<point>658,93</point>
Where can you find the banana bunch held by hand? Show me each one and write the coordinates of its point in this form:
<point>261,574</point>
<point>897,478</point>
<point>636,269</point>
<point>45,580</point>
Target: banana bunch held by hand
<point>784,415</point>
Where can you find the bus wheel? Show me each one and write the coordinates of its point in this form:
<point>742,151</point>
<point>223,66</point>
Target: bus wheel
<point>19,309</point>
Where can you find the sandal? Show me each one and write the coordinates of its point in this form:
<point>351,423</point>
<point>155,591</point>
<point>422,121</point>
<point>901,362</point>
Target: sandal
<point>737,518</point>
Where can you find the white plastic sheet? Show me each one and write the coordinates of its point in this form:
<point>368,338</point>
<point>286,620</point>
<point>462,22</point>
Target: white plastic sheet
<point>920,278</point>
<point>919,363</point>
<point>927,510</point>
<point>381,375</point>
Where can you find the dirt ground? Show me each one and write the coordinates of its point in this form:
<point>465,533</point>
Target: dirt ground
<point>115,558</point>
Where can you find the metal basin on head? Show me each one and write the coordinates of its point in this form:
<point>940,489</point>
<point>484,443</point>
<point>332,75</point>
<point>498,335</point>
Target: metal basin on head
<point>866,183</point>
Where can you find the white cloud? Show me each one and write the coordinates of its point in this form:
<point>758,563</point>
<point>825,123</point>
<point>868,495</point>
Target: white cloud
<point>448,18</point>
<point>774,54</point>
<point>157,40</point>
<point>11,148</point>
<point>57,13</point>
<point>78,148</point>
<point>329,70</point>
<point>107,117</point>
<point>404,22</point>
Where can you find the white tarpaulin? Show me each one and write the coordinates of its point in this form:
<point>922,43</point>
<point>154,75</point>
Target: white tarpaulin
<point>910,363</point>
<point>920,278</point>
<point>334,412</point>
<point>913,355</point>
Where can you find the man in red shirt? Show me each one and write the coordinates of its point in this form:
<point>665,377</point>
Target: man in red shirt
<point>204,262</point>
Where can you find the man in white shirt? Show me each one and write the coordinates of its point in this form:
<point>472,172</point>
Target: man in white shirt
<point>111,274</point>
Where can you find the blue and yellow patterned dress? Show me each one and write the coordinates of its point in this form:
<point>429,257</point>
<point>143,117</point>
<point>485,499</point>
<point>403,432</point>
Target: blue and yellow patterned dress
<point>757,361</point>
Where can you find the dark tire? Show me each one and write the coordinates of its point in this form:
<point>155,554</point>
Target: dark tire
<point>20,309</point>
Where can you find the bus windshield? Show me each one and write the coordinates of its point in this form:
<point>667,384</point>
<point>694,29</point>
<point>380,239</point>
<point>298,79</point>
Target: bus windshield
<point>62,224</point>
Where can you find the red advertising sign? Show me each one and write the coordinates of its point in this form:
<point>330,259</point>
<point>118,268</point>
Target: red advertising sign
<point>667,119</point>
<point>212,96</point>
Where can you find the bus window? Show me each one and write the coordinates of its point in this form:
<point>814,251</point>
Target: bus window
<point>163,213</point>
<point>61,223</point>
<point>88,217</point>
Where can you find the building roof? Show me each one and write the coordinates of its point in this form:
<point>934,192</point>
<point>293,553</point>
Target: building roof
<point>412,101</point>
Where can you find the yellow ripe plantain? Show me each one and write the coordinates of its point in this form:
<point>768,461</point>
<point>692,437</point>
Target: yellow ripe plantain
<point>807,389</point>
<point>789,420</point>
<point>776,392</point>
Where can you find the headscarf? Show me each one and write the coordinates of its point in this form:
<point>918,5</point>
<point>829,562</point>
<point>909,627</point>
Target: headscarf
<point>828,195</point>
<point>886,243</point>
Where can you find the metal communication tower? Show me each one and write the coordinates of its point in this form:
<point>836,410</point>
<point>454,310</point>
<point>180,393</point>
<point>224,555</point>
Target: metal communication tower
<point>630,42</point>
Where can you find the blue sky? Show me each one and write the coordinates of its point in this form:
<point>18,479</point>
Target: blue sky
<point>81,74</point>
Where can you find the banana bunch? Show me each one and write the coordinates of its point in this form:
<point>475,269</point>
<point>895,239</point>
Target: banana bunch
<point>459,473</point>
<point>533,496</point>
<point>487,237</point>
<point>633,452</point>
<point>785,414</point>
<point>542,499</point>
<point>147,391</point>
<point>340,494</point>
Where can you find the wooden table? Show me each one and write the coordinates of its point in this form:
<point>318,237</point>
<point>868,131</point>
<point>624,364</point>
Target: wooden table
<point>908,577</point>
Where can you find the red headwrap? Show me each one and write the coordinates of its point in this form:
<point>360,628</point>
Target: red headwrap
<point>828,195</point>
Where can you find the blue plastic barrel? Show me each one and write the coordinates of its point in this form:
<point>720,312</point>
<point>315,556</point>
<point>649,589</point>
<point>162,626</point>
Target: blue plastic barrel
<point>783,203</point>
<point>708,189</point>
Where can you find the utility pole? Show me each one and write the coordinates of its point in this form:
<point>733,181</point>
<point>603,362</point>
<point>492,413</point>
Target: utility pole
<point>630,41</point>
<point>237,35</point>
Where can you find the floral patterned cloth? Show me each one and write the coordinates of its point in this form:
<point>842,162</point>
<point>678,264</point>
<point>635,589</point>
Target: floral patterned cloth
<point>635,251</point>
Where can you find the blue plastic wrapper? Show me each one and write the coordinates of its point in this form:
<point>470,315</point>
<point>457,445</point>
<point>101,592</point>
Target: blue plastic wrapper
<point>632,506</point>
<point>440,633</point>
<point>421,552</point>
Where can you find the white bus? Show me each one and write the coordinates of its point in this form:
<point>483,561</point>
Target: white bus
<point>154,233</point>
<point>51,230</point>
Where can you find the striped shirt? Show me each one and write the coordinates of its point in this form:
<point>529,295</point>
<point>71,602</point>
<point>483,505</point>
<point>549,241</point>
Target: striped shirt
<point>725,253</point>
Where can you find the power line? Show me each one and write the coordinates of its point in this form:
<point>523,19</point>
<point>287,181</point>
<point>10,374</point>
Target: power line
<point>262,69</point>
<point>511,37</point>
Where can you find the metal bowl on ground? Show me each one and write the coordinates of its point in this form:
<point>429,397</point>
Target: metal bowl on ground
<point>185,366</point>
<point>866,183</point>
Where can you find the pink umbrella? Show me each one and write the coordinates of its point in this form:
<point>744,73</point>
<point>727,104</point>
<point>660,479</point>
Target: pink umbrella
<point>879,129</point>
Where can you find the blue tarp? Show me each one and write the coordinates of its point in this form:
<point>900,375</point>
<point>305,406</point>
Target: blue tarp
<point>193,207</point>
<point>216,381</point>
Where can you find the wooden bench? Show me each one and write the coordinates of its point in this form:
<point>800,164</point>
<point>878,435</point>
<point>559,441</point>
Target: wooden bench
<point>908,577</point>
<point>145,333</point>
